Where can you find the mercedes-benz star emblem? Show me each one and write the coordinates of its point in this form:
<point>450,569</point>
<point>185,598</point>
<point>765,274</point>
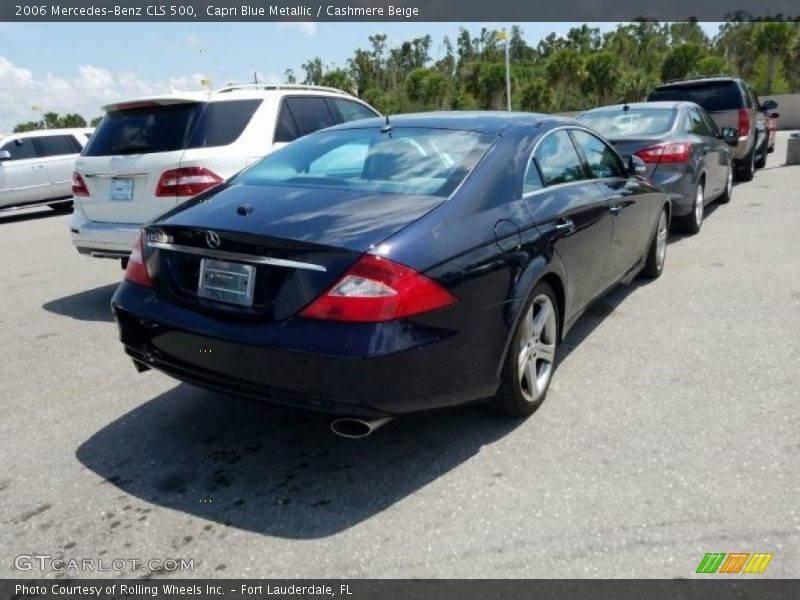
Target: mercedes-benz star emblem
<point>212,239</point>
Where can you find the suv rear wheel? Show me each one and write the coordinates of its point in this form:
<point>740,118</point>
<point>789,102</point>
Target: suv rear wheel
<point>747,169</point>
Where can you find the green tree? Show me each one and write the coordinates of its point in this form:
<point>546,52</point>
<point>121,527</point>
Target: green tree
<point>602,74</point>
<point>775,41</point>
<point>681,60</point>
<point>95,122</point>
<point>537,96</point>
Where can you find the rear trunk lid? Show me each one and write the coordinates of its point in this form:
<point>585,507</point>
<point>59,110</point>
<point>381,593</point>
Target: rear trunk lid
<point>298,241</point>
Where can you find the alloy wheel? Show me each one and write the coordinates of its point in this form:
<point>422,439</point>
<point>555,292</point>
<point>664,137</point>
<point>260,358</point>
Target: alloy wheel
<point>537,349</point>
<point>699,207</point>
<point>661,240</point>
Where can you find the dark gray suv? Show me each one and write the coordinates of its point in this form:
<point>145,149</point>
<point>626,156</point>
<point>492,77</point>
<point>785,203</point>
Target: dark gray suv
<point>731,102</point>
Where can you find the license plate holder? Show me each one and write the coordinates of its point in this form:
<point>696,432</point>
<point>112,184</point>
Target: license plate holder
<point>228,282</point>
<point>121,189</point>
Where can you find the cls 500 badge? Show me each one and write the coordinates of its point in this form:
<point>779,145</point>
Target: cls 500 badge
<point>173,10</point>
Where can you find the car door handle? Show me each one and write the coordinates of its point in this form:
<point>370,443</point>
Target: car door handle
<point>617,208</point>
<point>565,225</point>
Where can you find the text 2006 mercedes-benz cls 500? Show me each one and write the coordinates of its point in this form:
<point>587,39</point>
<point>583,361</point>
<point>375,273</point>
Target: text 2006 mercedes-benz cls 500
<point>393,265</point>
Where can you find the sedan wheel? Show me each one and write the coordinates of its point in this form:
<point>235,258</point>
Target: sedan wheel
<point>692,222</point>
<point>531,356</point>
<point>657,253</point>
<point>728,193</point>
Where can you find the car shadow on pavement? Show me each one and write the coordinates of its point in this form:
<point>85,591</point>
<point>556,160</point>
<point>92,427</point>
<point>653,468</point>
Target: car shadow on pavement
<point>28,214</point>
<point>279,471</point>
<point>595,314</point>
<point>88,305</point>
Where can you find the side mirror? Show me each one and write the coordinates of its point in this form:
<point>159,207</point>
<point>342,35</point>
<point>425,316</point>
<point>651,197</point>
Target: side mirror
<point>729,135</point>
<point>636,165</point>
<point>5,155</point>
<point>774,115</point>
<point>769,105</point>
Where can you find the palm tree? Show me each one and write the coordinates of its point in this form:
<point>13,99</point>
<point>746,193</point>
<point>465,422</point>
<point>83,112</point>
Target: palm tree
<point>775,40</point>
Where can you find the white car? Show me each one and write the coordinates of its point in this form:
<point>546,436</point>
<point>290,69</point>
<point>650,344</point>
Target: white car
<point>36,167</point>
<point>150,154</point>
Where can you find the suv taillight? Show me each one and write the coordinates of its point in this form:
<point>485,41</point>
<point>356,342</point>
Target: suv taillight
<point>79,185</point>
<point>376,289</point>
<point>744,122</point>
<point>186,181</point>
<point>136,271</point>
<point>666,153</point>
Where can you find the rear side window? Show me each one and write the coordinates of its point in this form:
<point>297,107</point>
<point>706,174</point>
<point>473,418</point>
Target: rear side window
<point>300,116</point>
<point>603,161</point>
<point>20,149</point>
<point>695,124</point>
<point>165,128</point>
<point>712,95</point>
<point>57,145</point>
<point>222,123</point>
<point>352,111</point>
<point>558,160</point>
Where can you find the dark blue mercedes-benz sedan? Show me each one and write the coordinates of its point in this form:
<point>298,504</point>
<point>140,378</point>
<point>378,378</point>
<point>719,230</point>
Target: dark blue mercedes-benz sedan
<point>393,265</point>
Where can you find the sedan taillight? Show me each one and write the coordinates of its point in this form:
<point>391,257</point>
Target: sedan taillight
<point>79,185</point>
<point>376,289</point>
<point>666,153</point>
<point>136,271</point>
<point>186,181</point>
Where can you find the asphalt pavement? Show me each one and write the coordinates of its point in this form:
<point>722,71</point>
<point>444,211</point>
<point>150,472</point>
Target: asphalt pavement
<point>671,430</point>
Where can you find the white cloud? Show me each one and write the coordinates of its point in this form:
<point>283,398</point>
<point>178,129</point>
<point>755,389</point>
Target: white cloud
<point>192,39</point>
<point>83,92</point>
<point>305,27</point>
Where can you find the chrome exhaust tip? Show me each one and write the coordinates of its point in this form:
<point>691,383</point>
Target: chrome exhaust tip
<point>354,428</point>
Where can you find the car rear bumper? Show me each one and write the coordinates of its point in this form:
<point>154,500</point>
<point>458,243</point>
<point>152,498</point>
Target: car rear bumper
<point>103,240</point>
<point>679,184</point>
<point>358,369</point>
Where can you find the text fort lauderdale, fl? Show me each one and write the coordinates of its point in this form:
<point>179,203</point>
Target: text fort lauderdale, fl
<point>254,10</point>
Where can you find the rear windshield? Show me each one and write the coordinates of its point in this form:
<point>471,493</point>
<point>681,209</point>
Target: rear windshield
<point>164,128</point>
<point>633,122</point>
<point>713,96</point>
<point>409,161</point>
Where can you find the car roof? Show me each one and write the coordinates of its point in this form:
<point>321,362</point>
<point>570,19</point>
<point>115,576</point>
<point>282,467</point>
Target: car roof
<point>656,104</point>
<point>231,92</point>
<point>698,81</point>
<point>40,132</point>
<point>487,121</point>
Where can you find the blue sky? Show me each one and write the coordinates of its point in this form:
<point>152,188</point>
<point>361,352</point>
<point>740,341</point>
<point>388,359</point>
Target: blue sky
<point>76,67</point>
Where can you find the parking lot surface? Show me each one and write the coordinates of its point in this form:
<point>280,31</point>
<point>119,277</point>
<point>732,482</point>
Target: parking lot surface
<point>671,430</point>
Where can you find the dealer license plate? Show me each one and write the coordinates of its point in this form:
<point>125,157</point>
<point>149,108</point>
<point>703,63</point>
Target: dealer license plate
<point>121,189</point>
<point>226,282</point>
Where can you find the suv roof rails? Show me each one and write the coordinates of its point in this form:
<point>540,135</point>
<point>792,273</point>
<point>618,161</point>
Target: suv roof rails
<point>281,86</point>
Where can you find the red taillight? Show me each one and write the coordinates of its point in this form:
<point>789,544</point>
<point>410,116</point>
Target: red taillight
<point>376,289</point>
<point>744,122</point>
<point>79,185</point>
<point>136,271</point>
<point>666,153</point>
<point>186,181</point>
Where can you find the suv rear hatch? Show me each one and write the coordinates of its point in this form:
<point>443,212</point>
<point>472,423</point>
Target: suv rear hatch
<point>721,99</point>
<point>137,164</point>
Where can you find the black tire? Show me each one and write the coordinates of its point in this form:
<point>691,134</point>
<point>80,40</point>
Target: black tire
<point>515,397</point>
<point>693,222</point>
<point>761,160</point>
<point>747,169</point>
<point>61,206</point>
<point>728,192</point>
<point>657,251</point>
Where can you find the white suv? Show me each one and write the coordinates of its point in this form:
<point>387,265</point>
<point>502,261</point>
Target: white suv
<point>36,167</point>
<point>150,154</point>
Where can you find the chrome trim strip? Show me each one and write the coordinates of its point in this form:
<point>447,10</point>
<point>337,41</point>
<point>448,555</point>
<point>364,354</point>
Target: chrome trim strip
<point>236,257</point>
